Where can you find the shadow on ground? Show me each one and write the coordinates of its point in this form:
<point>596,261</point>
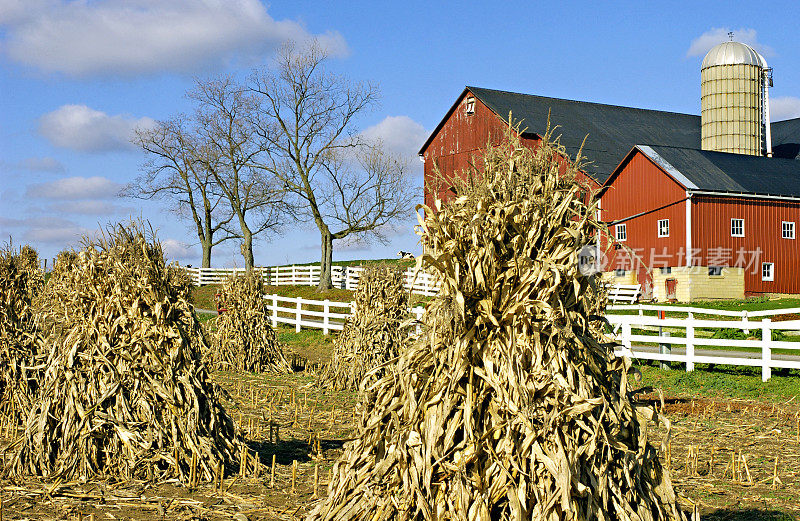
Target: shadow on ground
<point>747,515</point>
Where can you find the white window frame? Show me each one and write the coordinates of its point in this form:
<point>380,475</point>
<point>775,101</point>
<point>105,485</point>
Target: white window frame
<point>787,230</point>
<point>740,233</point>
<point>623,228</point>
<point>619,273</point>
<point>716,271</point>
<point>470,105</point>
<point>663,227</point>
<point>768,273</point>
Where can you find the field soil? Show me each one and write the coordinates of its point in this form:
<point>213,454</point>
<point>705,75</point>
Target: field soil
<point>722,455</point>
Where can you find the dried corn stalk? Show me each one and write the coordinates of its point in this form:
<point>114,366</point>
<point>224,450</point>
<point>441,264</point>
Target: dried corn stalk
<point>124,392</point>
<point>509,406</point>
<point>244,339</point>
<point>21,281</point>
<point>374,332</point>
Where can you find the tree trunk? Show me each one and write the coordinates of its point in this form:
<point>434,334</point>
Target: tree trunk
<point>247,249</point>
<point>206,254</point>
<point>325,263</point>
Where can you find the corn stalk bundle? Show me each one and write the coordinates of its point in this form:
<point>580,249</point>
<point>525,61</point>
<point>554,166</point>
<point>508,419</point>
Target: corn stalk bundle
<point>374,332</point>
<point>124,393</point>
<point>244,339</point>
<point>509,406</point>
<point>21,281</point>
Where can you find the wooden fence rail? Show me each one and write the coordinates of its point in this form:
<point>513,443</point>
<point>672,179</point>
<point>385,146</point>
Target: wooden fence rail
<point>342,277</point>
<point>327,315</point>
<point>653,338</point>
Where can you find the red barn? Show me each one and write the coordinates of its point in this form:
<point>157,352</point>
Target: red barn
<point>692,223</point>
<point>696,224</point>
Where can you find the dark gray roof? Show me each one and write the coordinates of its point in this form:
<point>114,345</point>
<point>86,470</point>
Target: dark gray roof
<point>612,131</point>
<point>786,138</point>
<point>730,173</point>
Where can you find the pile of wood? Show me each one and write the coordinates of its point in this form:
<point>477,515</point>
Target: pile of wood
<point>21,282</point>
<point>243,339</point>
<point>509,406</point>
<point>374,333</point>
<point>124,392</point>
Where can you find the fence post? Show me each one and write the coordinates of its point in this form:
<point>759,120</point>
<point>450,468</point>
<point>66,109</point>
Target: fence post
<point>325,317</point>
<point>641,312</point>
<point>626,338</point>
<point>690,342</point>
<point>766,349</point>
<point>665,349</point>
<point>274,310</point>
<point>294,276</point>
<point>744,319</point>
<point>299,315</point>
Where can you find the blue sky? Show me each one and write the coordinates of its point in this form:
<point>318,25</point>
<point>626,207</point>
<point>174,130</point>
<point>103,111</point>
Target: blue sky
<point>76,77</point>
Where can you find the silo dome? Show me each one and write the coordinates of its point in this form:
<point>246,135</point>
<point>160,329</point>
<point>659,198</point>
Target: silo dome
<point>733,108</point>
<point>733,53</point>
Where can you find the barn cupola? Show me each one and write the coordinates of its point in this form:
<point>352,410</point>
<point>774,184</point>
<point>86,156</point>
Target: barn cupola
<point>734,100</point>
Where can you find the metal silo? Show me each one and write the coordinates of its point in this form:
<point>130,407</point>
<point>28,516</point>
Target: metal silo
<point>734,109</point>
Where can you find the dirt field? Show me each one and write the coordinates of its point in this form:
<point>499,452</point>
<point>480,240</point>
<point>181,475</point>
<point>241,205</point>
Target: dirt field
<point>751,433</point>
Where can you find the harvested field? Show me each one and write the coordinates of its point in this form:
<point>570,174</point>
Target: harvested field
<point>758,429</point>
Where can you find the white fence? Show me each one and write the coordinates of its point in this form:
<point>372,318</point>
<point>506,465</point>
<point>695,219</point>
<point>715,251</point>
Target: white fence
<point>691,343</point>
<point>343,277</point>
<point>307,313</point>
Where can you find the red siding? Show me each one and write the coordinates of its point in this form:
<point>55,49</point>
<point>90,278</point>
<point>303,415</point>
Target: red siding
<point>640,187</point>
<point>711,232</point>
<point>459,142</point>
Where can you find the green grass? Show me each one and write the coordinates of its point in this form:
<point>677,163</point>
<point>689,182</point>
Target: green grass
<point>722,382</point>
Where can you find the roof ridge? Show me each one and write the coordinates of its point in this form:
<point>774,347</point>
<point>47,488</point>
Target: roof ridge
<point>471,87</point>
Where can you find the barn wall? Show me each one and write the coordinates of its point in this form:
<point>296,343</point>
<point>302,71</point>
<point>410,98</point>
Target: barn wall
<point>762,242</point>
<point>642,187</point>
<point>459,143</point>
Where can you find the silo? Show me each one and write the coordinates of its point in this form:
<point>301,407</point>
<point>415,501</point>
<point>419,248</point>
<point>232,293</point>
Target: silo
<point>733,100</point>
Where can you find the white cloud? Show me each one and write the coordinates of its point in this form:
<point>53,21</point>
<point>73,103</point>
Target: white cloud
<point>47,230</point>
<point>177,250</point>
<point>145,36</point>
<point>703,43</point>
<point>91,207</point>
<point>784,107</point>
<point>400,134</point>
<point>41,164</point>
<point>81,128</point>
<point>75,188</point>
<point>35,164</point>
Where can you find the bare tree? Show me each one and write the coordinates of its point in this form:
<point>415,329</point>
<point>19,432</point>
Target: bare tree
<point>177,170</point>
<point>306,117</point>
<point>255,200</point>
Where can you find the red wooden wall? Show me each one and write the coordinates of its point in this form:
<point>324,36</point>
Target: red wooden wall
<point>640,187</point>
<point>459,142</point>
<point>711,229</point>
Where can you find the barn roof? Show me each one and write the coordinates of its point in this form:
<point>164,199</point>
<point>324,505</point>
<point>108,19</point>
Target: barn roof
<point>786,138</point>
<point>610,130</point>
<point>727,173</point>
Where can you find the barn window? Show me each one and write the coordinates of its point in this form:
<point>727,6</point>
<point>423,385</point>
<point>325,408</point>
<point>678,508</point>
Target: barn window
<point>619,273</point>
<point>737,227</point>
<point>621,232</point>
<point>663,227</point>
<point>665,271</point>
<point>787,229</point>
<point>715,271</point>
<point>470,106</point>
<point>767,271</point>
